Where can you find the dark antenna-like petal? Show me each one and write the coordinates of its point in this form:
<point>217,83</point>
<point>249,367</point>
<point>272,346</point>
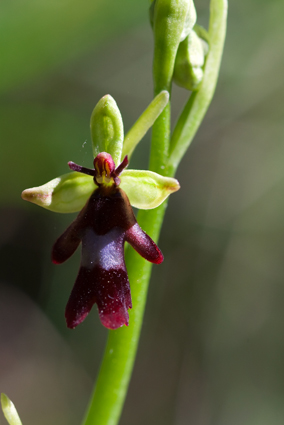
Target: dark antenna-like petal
<point>69,241</point>
<point>121,166</point>
<point>81,169</point>
<point>65,245</point>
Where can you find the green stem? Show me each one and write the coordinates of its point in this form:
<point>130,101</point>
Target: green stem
<point>109,394</point>
<point>115,372</point>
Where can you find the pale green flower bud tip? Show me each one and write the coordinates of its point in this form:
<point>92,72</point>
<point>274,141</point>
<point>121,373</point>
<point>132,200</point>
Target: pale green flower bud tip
<point>10,411</point>
<point>107,128</point>
<point>172,185</point>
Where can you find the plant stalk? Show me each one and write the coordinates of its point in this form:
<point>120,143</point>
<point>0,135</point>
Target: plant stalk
<point>111,387</point>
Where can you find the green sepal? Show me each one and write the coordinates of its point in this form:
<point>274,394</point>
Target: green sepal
<point>146,189</point>
<point>107,128</point>
<point>70,192</point>
<point>65,194</point>
<point>10,411</point>
<point>144,122</point>
<point>190,58</point>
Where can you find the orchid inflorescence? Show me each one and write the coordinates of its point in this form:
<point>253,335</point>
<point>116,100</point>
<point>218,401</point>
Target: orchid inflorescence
<point>106,221</point>
<point>190,56</point>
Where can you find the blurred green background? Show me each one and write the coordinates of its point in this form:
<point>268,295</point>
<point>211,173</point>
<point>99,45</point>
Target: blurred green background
<point>212,345</point>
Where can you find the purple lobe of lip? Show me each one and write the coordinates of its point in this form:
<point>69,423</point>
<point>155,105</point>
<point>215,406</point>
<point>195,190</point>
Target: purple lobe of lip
<point>103,226</point>
<point>108,288</point>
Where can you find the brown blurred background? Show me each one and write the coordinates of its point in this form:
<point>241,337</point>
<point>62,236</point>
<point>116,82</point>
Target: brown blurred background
<point>212,345</point>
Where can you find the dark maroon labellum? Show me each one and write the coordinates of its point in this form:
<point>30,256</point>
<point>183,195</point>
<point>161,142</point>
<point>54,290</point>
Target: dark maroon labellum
<point>103,226</point>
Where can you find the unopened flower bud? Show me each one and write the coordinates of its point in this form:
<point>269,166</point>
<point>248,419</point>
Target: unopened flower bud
<point>188,71</point>
<point>168,19</point>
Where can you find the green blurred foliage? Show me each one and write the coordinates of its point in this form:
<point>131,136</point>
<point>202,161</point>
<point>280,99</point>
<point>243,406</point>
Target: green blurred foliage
<point>39,35</point>
<point>212,344</point>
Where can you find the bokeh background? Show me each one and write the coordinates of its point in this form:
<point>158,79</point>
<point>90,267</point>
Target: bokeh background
<point>212,345</point>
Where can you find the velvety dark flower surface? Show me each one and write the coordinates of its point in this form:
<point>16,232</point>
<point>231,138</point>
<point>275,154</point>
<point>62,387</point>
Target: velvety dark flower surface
<point>103,226</point>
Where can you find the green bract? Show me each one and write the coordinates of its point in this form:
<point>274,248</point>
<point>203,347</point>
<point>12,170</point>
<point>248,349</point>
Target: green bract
<point>144,122</point>
<point>10,411</point>
<point>145,189</point>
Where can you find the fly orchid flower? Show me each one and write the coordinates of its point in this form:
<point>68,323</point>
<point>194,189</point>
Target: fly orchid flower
<point>107,220</point>
<point>103,225</point>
